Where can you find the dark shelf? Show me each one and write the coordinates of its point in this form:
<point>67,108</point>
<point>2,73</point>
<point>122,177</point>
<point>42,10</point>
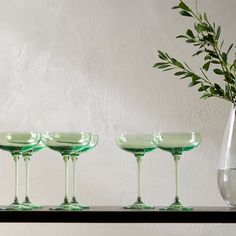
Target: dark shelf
<point>107,214</point>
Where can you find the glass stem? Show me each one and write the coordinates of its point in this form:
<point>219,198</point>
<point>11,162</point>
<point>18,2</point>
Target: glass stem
<point>177,159</point>
<point>139,160</point>
<point>16,158</point>
<point>74,161</point>
<point>27,159</point>
<point>66,158</point>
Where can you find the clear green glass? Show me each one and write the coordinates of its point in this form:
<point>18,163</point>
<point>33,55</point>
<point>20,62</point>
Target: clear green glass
<point>176,144</point>
<point>74,157</point>
<point>27,156</point>
<point>17,143</point>
<point>137,144</point>
<point>66,143</point>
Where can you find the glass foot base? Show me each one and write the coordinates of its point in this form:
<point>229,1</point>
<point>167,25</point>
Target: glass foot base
<point>69,207</point>
<point>62,207</point>
<point>77,206</point>
<point>139,205</point>
<point>31,205</point>
<point>17,207</point>
<point>176,207</point>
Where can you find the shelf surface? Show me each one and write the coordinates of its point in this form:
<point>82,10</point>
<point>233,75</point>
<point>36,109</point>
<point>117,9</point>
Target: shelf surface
<point>116,214</point>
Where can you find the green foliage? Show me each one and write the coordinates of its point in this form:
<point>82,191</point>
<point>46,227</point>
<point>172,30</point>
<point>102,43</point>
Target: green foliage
<point>206,37</point>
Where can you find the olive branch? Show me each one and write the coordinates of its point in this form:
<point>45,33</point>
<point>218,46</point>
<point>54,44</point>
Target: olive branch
<point>206,37</point>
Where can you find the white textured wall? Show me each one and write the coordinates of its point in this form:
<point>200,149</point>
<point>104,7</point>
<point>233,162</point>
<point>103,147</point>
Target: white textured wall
<point>87,65</point>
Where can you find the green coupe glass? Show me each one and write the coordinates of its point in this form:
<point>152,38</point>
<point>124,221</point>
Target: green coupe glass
<point>74,157</point>
<point>138,144</point>
<point>176,144</point>
<point>66,143</point>
<point>27,156</point>
<point>17,143</point>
